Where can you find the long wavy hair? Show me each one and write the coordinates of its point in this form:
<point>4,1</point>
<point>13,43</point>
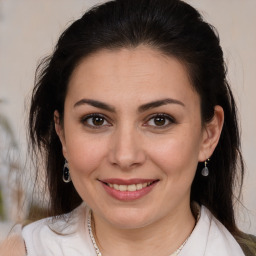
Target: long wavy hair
<point>174,28</point>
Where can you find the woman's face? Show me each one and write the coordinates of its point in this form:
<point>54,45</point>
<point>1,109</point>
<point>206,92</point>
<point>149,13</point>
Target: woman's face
<point>132,135</point>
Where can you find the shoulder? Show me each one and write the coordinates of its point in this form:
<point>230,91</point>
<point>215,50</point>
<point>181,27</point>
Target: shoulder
<point>248,244</point>
<point>211,238</point>
<point>13,245</point>
<point>220,237</point>
<point>55,235</point>
<point>39,236</point>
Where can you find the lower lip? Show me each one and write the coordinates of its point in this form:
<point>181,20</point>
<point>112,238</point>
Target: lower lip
<point>128,195</point>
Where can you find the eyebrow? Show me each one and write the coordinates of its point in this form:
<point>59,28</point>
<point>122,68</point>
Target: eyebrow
<point>159,103</point>
<point>96,104</point>
<point>142,108</point>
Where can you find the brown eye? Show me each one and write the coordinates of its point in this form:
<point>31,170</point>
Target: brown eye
<point>159,121</point>
<point>95,121</point>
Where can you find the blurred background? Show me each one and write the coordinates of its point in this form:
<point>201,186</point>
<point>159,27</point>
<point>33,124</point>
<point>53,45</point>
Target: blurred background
<point>28,32</point>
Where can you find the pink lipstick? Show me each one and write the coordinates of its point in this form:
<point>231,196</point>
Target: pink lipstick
<point>128,190</point>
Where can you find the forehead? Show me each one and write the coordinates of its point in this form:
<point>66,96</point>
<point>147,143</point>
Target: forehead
<point>143,73</point>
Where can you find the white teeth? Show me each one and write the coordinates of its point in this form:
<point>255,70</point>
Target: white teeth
<point>131,188</point>
<point>123,187</point>
<point>138,186</point>
<point>116,186</point>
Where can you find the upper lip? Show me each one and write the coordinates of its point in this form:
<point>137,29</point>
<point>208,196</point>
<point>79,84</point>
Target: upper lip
<point>127,182</point>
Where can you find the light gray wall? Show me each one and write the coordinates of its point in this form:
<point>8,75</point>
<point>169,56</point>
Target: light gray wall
<point>29,30</point>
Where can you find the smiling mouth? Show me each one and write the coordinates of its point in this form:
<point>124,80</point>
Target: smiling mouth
<point>130,188</point>
<point>127,190</point>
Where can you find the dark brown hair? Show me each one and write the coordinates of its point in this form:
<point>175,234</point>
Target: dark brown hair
<point>173,28</point>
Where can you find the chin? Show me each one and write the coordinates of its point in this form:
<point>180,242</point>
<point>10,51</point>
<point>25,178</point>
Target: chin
<point>129,219</point>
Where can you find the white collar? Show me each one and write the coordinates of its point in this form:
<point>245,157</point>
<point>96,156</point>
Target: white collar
<point>210,238</point>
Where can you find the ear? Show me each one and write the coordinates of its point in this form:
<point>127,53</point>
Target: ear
<point>60,132</point>
<point>211,134</point>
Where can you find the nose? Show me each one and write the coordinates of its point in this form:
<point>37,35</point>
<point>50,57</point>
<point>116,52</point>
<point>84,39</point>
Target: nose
<point>126,150</point>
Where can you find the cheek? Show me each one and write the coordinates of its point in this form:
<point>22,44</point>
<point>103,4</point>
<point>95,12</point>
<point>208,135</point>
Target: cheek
<point>85,157</point>
<point>177,156</point>
<point>85,154</point>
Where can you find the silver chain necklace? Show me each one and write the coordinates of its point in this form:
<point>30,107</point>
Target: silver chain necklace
<point>97,250</point>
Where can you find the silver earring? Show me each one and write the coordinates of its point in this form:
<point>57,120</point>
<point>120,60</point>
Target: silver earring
<point>66,176</point>
<point>205,170</point>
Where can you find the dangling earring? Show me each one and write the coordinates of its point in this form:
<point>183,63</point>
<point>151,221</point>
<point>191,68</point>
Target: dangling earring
<point>66,176</point>
<point>205,170</point>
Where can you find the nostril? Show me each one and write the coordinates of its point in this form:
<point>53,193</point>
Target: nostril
<point>126,151</point>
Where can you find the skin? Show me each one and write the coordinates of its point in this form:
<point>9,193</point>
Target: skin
<point>13,246</point>
<point>129,143</point>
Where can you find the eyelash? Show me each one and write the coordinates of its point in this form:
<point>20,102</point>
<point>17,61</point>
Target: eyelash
<point>85,119</point>
<point>167,118</point>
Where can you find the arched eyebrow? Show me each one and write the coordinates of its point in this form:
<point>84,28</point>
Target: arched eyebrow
<point>142,108</point>
<point>158,103</point>
<point>96,104</point>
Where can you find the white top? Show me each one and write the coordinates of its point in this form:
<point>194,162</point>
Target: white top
<point>70,236</point>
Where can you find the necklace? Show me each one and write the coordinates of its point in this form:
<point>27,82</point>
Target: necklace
<point>89,224</point>
<point>97,250</point>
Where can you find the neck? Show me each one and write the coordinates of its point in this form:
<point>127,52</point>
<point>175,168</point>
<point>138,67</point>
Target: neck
<point>160,238</point>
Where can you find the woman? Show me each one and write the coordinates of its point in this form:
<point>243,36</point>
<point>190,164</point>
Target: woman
<point>137,126</point>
